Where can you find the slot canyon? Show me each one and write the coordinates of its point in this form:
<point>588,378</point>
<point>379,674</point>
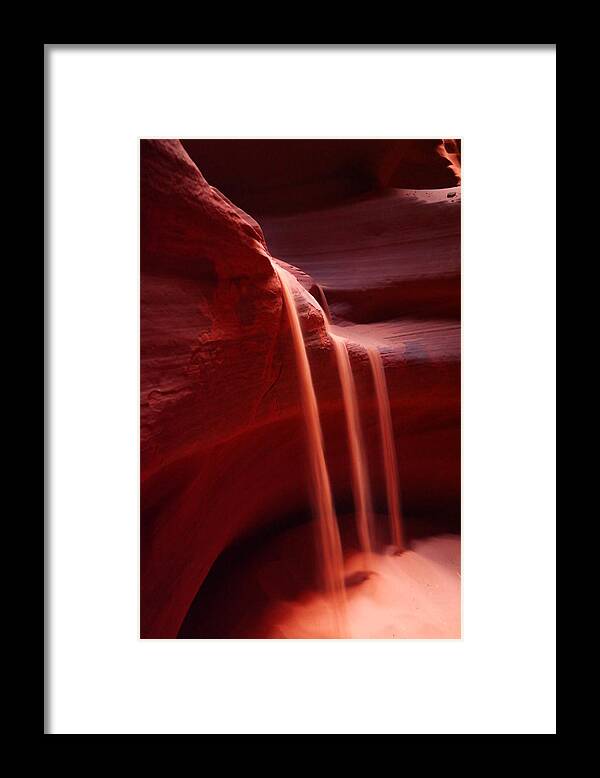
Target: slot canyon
<point>300,388</point>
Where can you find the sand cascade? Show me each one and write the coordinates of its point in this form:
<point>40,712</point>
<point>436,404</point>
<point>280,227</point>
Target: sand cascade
<point>388,448</point>
<point>331,551</point>
<point>322,498</point>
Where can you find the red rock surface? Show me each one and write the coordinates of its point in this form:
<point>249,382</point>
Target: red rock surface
<point>222,441</point>
<point>275,176</point>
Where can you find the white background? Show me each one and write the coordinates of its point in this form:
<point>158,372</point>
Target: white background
<point>500,677</point>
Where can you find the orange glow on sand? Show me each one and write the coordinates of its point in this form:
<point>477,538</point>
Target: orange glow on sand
<point>412,595</point>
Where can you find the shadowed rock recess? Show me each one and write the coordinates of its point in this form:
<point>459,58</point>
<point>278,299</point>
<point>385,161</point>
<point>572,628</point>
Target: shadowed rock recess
<point>371,231</point>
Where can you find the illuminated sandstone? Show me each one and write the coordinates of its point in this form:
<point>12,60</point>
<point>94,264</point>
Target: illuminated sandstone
<point>223,445</point>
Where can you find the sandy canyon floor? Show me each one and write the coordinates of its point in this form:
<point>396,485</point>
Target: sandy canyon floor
<point>270,592</point>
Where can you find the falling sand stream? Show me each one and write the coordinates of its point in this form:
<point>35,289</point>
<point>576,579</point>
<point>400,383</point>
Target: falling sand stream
<point>323,505</point>
<point>360,475</point>
<point>331,545</point>
<point>388,447</point>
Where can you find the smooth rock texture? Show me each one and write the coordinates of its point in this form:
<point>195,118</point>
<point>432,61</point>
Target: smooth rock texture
<point>222,440</point>
<point>291,175</point>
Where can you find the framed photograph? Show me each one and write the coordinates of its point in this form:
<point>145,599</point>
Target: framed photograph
<point>302,402</point>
